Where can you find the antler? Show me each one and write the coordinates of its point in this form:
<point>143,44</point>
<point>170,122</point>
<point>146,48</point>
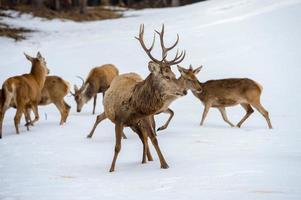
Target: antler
<point>83,81</point>
<point>178,58</point>
<point>147,50</point>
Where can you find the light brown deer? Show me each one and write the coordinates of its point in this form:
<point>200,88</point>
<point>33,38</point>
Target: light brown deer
<point>98,81</point>
<point>131,101</point>
<point>24,91</point>
<point>54,91</point>
<point>230,92</point>
<point>189,81</point>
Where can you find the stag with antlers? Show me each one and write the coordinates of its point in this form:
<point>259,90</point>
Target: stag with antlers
<point>131,101</point>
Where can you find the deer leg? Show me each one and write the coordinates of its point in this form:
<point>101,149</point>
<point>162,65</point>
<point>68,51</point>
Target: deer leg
<point>17,118</point>
<point>151,135</point>
<point>27,118</point>
<point>67,110</point>
<point>224,115</point>
<point>263,111</point>
<point>36,113</point>
<point>2,112</point>
<point>118,135</point>
<point>99,119</point>
<point>94,103</point>
<point>142,138</point>
<point>205,112</point>
<point>249,110</point>
<point>171,114</point>
<point>60,106</point>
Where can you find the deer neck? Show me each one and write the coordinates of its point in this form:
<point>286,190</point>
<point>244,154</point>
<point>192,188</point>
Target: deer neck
<point>147,96</point>
<point>39,74</point>
<point>89,91</point>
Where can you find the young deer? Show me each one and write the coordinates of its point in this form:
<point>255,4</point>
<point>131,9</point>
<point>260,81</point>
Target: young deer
<point>189,81</point>
<point>98,81</point>
<point>131,101</point>
<point>230,92</point>
<point>24,91</point>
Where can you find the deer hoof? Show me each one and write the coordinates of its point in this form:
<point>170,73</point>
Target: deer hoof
<point>161,128</point>
<point>164,166</point>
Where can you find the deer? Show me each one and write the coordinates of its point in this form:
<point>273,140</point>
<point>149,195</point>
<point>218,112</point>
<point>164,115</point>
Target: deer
<point>189,81</point>
<point>229,92</point>
<point>131,101</point>
<point>54,91</point>
<point>24,91</point>
<point>98,81</point>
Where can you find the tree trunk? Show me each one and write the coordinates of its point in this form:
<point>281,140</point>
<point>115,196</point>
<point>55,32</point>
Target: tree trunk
<point>175,3</point>
<point>57,5</point>
<point>83,6</point>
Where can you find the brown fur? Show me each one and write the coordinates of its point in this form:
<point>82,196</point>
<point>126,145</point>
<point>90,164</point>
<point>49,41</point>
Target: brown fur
<point>24,91</point>
<point>230,92</point>
<point>98,81</point>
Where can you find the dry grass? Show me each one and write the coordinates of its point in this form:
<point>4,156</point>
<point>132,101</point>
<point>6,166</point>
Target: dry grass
<point>15,33</point>
<point>93,13</point>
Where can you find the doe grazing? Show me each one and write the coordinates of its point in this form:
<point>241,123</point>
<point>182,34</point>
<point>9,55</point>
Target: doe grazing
<point>24,91</point>
<point>224,93</point>
<point>98,81</point>
<point>131,101</point>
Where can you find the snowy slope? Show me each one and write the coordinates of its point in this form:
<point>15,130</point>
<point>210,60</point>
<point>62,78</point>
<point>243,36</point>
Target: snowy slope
<point>259,39</point>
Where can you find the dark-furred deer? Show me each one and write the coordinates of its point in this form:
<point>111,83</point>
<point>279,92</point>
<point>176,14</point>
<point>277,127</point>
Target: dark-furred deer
<point>24,91</point>
<point>131,101</point>
<point>230,92</point>
<point>98,81</point>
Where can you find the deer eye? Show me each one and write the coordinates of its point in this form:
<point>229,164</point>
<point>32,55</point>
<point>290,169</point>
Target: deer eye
<point>167,77</point>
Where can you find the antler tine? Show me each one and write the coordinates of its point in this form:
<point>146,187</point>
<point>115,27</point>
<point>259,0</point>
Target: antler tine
<point>83,81</point>
<point>147,50</point>
<point>178,58</point>
<point>166,49</point>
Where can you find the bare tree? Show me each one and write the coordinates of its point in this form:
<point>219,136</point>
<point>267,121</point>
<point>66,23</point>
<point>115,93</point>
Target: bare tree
<point>83,6</point>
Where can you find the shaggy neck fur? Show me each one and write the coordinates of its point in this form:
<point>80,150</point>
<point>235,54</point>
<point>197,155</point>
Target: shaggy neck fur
<point>147,96</point>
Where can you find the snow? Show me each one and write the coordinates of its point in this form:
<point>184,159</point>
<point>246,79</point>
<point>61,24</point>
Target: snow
<point>259,39</point>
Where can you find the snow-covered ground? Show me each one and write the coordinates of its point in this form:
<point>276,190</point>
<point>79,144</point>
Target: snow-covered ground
<point>259,39</point>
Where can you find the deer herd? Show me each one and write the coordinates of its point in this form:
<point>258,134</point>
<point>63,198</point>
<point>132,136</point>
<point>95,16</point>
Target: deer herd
<point>128,99</point>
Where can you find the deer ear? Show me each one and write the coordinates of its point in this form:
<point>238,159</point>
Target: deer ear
<point>181,70</point>
<point>154,67</point>
<point>28,57</point>
<point>39,55</point>
<point>197,70</point>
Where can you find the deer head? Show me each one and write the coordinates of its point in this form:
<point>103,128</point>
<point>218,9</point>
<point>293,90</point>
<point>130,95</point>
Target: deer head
<point>161,68</point>
<point>189,79</point>
<point>81,94</point>
<point>39,64</point>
